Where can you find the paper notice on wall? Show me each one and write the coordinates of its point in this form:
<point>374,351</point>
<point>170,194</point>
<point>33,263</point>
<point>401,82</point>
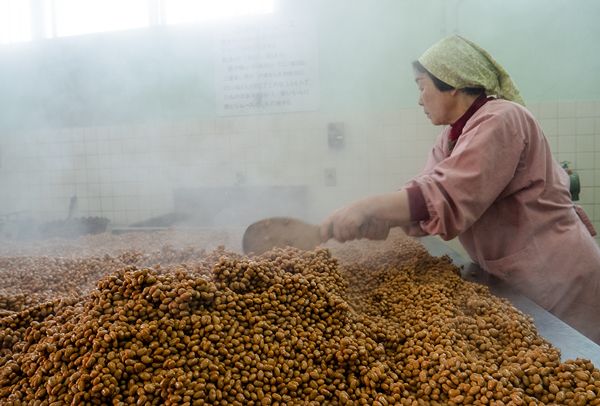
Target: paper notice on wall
<point>266,68</point>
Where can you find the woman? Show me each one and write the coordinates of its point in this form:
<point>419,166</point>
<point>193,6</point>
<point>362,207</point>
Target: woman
<point>490,180</point>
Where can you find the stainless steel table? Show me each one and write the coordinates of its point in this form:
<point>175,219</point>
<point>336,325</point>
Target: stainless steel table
<point>569,341</point>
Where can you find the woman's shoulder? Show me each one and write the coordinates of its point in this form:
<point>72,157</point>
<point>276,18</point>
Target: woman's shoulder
<point>505,117</point>
<point>507,107</point>
<point>508,111</point>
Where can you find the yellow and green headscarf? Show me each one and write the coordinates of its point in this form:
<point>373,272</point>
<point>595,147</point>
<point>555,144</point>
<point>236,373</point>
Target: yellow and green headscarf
<point>462,63</point>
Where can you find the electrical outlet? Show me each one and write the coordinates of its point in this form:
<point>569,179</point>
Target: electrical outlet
<point>336,134</point>
<point>240,178</point>
<point>330,177</point>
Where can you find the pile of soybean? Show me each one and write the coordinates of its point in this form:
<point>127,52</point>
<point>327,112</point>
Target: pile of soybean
<point>330,326</point>
<point>29,280</point>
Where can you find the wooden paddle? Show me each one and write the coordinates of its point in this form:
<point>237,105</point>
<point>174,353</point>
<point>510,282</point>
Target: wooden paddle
<point>280,232</point>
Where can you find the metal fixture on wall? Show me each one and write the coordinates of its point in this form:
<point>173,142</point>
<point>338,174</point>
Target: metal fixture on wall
<point>330,177</point>
<point>574,184</point>
<point>336,135</point>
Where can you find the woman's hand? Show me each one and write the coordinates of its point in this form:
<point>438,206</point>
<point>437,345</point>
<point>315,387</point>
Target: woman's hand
<point>371,218</point>
<point>353,222</point>
<point>376,229</point>
<point>345,224</point>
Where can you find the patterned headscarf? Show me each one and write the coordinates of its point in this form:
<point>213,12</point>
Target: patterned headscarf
<point>462,63</point>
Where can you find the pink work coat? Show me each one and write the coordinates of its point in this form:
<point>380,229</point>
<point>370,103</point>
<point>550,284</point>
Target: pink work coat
<point>507,199</point>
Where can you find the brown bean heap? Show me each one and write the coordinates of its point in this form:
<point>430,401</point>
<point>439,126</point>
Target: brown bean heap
<point>287,327</point>
<point>28,281</point>
<point>98,245</point>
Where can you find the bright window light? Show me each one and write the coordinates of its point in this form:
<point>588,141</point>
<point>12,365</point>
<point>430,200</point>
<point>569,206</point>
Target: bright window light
<point>62,18</point>
<point>15,21</point>
<point>191,11</point>
<point>76,17</point>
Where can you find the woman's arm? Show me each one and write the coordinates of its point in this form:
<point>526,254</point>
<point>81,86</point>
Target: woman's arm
<point>370,217</point>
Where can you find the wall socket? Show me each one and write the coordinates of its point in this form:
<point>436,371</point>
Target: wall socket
<point>336,134</point>
<point>240,178</point>
<point>330,177</point>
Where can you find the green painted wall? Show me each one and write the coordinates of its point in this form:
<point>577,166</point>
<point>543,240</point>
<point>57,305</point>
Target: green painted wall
<point>365,48</point>
<point>550,47</point>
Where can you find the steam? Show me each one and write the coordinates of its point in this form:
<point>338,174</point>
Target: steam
<point>128,121</point>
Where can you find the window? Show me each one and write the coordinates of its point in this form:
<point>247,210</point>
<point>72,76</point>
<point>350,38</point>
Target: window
<point>24,20</point>
<point>76,17</point>
<point>190,11</point>
<point>15,21</point>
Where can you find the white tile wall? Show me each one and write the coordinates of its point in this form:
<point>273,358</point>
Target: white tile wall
<point>128,173</point>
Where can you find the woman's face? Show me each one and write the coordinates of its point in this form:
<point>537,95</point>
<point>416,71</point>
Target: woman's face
<point>437,105</point>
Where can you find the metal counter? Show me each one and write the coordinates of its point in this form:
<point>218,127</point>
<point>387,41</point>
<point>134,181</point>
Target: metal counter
<point>569,341</point>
